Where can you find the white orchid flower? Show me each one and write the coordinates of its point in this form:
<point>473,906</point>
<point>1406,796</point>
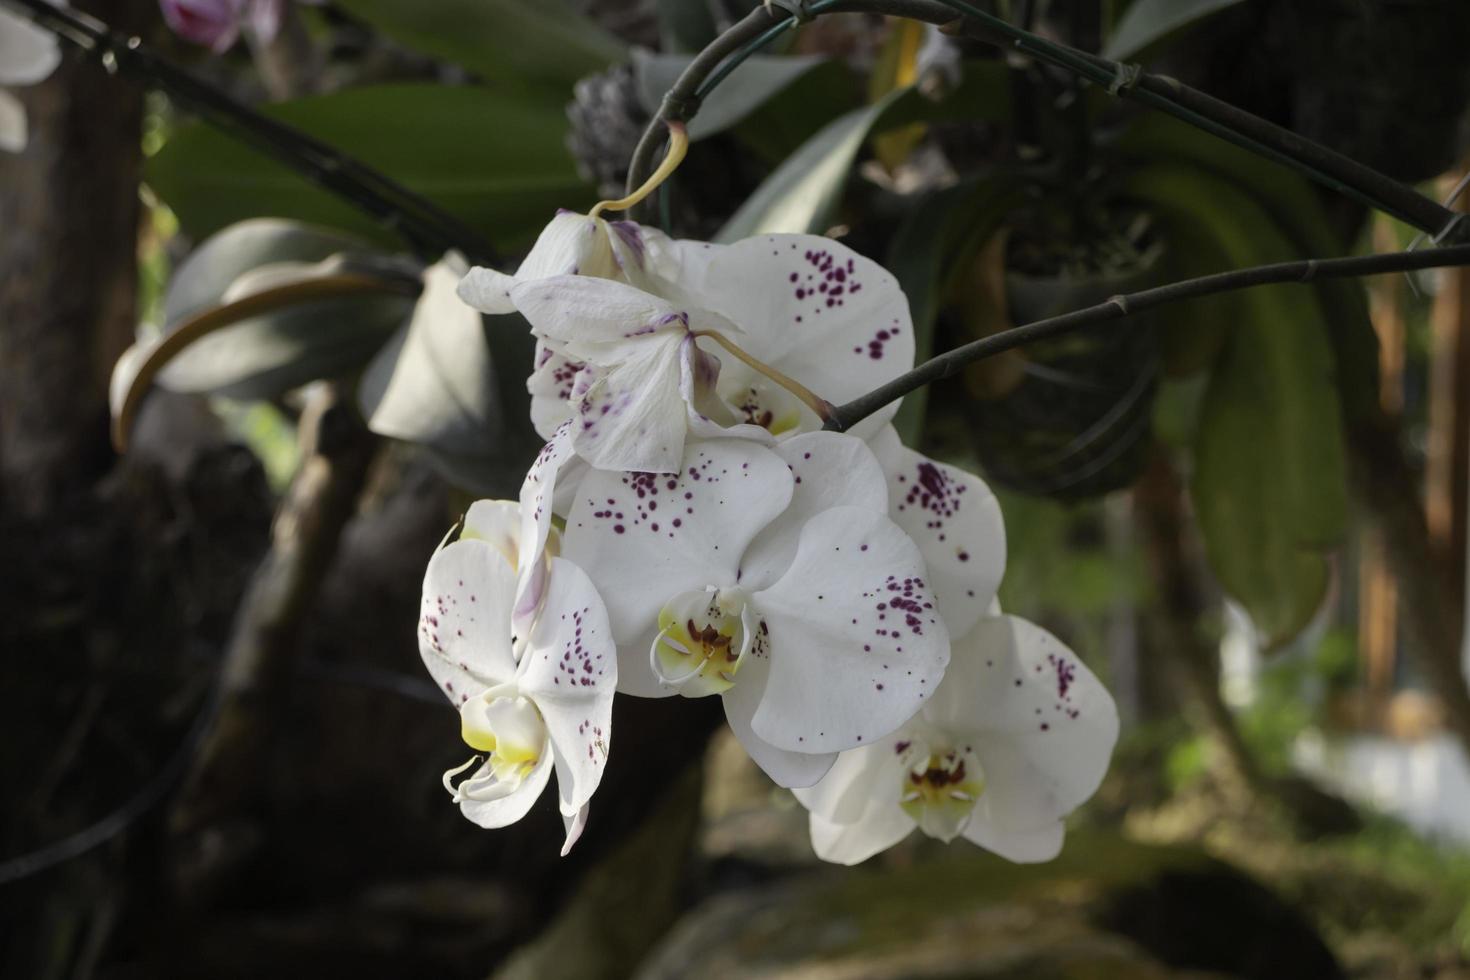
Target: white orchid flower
<point>813,309</point>
<point>28,54</point>
<point>810,309</point>
<point>571,245</point>
<point>529,703</point>
<point>640,383</point>
<point>1018,735</point>
<point>772,577</point>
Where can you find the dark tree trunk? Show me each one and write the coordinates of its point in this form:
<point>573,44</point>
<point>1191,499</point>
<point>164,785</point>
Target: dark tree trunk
<point>68,275</point>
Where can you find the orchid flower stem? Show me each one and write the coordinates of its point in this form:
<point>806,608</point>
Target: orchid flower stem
<point>843,417</point>
<point>678,147</point>
<point>816,403</point>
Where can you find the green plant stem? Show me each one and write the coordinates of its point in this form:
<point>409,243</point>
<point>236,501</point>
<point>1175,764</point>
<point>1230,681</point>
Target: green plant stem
<point>1317,162</point>
<point>1305,271</point>
<point>429,229</point>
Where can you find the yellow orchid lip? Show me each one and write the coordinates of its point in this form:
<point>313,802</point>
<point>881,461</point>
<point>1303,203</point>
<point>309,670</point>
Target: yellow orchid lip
<point>510,730</point>
<point>702,640</point>
<point>940,787</point>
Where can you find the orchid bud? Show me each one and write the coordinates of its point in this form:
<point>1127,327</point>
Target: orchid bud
<point>214,23</point>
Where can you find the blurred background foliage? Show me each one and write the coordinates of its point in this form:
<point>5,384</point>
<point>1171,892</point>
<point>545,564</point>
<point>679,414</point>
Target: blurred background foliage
<point>1247,513</point>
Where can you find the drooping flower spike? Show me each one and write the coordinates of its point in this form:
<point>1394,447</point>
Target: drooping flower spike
<point>772,577</point>
<point>528,703</point>
<point>1018,735</point>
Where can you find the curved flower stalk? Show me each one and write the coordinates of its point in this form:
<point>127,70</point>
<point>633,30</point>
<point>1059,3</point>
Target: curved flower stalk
<point>527,703</point>
<point>28,55</point>
<point>1018,735</point>
<point>772,577</point>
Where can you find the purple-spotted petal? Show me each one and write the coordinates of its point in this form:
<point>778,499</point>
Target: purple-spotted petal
<point>635,416</point>
<point>555,385</point>
<point>538,492</point>
<point>811,307</point>
<point>644,538</point>
<point>856,644</point>
<point>956,522</point>
<point>1041,723</point>
<point>570,669</point>
<point>464,619</point>
<point>598,321</point>
<point>829,469</point>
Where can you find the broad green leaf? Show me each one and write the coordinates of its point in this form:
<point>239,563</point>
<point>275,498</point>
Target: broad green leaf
<point>939,233</point>
<point>514,42</point>
<point>1148,21</point>
<point>778,127</point>
<point>204,277</point>
<point>493,160</point>
<point>266,355</point>
<point>1296,207</point>
<point>1269,482</point>
<point>803,193</point>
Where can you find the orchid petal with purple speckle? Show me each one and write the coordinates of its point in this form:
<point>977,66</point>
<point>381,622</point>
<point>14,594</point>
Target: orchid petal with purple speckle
<point>956,522</point>
<point>1018,735</point>
<point>839,619</point>
<point>531,703</point>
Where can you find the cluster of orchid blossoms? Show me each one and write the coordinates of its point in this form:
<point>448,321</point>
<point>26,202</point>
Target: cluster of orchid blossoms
<point>689,529</point>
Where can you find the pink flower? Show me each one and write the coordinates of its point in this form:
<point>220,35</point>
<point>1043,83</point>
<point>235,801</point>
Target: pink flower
<point>216,23</point>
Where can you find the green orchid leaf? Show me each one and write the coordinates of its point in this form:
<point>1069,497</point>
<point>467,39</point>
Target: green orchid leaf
<point>1297,209</point>
<point>803,193</point>
<point>516,43</point>
<point>493,160</point>
<point>264,355</point>
<point>1269,482</point>
<point>1147,21</point>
